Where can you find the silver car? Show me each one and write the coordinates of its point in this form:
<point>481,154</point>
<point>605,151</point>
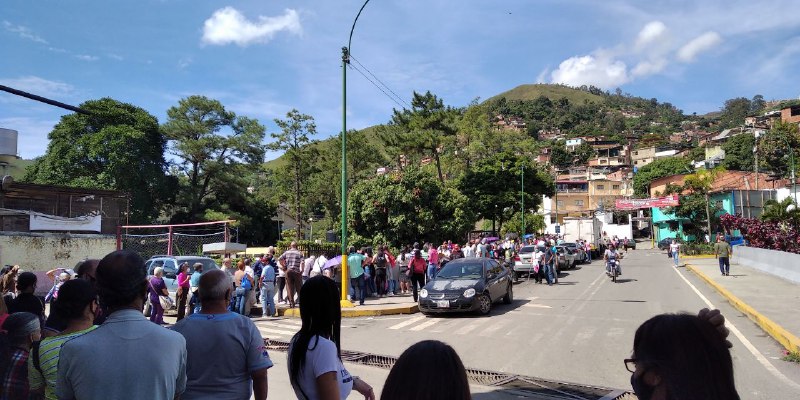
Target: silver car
<point>525,260</point>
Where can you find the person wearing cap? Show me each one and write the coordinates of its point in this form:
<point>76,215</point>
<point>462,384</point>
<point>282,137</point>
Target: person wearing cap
<point>21,330</point>
<point>9,281</point>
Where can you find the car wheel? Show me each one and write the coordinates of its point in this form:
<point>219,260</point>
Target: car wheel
<point>484,304</point>
<point>509,297</point>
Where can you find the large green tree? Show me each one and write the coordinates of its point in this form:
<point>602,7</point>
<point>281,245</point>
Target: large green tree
<point>739,153</point>
<point>212,146</point>
<point>695,206</point>
<point>405,207</point>
<point>777,148</point>
<point>117,146</point>
<point>294,139</point>
<point>658,169</point>
<point>494,186</point>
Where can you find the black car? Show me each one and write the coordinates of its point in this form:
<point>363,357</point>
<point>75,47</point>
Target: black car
<point>663,244</point>
<point>467,285</point>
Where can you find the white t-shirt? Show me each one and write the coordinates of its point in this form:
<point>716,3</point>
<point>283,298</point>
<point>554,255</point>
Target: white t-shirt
<point>318,263</point>
<point>469,252</point>
<point>321,358</point>
<point>673,247</point>
<point>249,271</point>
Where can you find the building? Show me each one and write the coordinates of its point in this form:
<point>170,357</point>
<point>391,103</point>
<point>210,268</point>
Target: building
<point>643,156</point>
<point>791,114</point>
<point>573,143</point>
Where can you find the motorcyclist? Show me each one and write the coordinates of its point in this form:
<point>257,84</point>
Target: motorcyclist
<point>611,256</point>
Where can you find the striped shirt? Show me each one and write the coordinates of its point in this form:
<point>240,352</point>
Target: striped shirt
<point>292,259</point>
<point>49,350</point>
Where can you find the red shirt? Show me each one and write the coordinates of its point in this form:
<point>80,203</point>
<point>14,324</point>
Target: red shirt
<point>418,265</point>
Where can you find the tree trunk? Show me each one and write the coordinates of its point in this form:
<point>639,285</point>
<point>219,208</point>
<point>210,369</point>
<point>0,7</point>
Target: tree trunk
<point>438,165</point>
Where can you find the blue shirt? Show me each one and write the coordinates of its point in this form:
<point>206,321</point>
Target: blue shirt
<point>354,262</point>
<point>268,274</point>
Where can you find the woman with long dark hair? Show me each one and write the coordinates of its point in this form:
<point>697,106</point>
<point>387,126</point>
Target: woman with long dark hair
<point>182,292</point>
<point>434,368</point>
<point>77,305</point>
<point>315,364</point>
<point>681,356</point>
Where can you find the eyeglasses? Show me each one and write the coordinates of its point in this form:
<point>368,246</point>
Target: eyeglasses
<point>630,364</point>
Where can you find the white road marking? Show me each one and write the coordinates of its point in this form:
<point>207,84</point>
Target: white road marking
<point>408,322</point>
<point>489,332</point>
<point>585,336</point>
<point>472,324</point>
<point>760,357</point>
<point>273,331</point>
<point>424,325</point>
<point>615,331</point>
<point>536,305</point>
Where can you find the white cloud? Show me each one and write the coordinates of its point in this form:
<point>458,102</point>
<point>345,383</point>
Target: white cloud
<point>651,32</point>
<point>39,86</point>
<point>86,57</point>
<point>704,42</point>
<point>23,32</point>
<point>599,69</point>
<point>184,62</point>
<point>649,67</point>
<point>227,25</point>
<point>115,56</point>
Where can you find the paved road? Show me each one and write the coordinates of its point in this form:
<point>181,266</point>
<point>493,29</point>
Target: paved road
<point>577,331</point>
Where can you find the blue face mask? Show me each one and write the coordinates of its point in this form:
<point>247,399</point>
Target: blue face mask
<point>642,390</point>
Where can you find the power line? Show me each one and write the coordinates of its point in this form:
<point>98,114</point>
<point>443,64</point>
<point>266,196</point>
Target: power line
<point>381,82</point>
<point>374,84</point>
<point>43,99</point>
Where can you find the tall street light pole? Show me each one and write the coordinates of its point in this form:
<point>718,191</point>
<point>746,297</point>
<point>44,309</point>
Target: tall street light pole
<point>345,61</point>
<point>522,203</point>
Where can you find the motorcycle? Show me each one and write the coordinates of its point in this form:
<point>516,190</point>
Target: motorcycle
<point>613,267</point>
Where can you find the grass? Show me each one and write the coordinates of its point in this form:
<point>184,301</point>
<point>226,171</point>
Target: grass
<point>791,356</point>
<point>553,92</point>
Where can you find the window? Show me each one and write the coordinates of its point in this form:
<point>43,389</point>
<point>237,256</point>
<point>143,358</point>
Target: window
<point>579,203</point>
<point>601,187</point>
<point>636,153</point>
<point>615,187</point>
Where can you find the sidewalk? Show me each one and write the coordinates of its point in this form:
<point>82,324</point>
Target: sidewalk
<point>373,306</point>
<point>768,300</point>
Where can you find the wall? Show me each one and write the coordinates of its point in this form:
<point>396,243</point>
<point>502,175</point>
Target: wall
<point>44,251</point>
<point>778,263</point>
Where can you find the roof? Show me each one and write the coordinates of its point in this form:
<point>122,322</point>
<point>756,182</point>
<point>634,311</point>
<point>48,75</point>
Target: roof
<point>728,181</point>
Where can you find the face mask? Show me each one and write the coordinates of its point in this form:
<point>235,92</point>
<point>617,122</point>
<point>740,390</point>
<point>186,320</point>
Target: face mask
<point>642,390</point>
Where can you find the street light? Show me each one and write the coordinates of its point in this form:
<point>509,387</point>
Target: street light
<point>311,234</point>
<point>522,201</point>
<point>346,60</point>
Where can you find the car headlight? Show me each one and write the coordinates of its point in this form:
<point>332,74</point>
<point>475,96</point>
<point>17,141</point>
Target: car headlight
<point>469,292</point>
<point>423,293</point>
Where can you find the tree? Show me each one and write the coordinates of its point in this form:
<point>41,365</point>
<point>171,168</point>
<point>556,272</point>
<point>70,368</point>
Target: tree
<point>734,112</point>
<point>584,152</point>
<point>534,223</point>
<point>206,158</point>
<point>118,147</point>
<point>560,157</point>
<point>739,153</point>
<point>757,104</point>
<point>780,212</point>
<point>294,139</point>
<point>426,128</point>
<point>494,185</point>
<point>658,169</point>
<point>777,146</point>
<point>405,207</point>
<point>694,202</point>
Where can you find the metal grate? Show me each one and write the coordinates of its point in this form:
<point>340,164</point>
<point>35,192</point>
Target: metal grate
<point>519,385</point>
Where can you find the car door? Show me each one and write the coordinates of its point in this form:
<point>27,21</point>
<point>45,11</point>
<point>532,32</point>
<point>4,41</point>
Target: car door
<point>170,275</point>
<point>494,278</point>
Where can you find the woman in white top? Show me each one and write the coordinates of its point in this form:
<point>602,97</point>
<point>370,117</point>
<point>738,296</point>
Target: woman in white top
<point>315,365</point>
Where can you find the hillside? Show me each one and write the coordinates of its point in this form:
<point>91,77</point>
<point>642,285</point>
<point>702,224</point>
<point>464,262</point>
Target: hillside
<point>553,92</point>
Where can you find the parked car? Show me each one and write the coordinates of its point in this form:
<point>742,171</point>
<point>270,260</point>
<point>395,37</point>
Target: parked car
<point>663,244</point>
<point>170,265</point>
<point>467,285</point>
<point>525,260</point>
<point>580,253</point>
<point>566,257</point>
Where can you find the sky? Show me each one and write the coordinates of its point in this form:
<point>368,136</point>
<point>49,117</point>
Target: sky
<point>264,58</point>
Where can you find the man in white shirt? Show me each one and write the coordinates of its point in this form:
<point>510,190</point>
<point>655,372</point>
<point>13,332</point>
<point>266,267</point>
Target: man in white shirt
<point>469,252</point>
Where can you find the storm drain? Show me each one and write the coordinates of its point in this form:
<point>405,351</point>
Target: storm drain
<point>517,385</point>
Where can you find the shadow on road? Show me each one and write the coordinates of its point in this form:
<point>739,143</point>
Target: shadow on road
<point>626,280</point>
<point>498,308</point>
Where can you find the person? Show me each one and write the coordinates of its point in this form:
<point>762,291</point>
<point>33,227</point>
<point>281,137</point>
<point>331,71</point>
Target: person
<point>416,271</point>
<point>469,250</point>
<point>355,266</point>
<point>433,262</point>
<point>59,280</point>
<point>674,250</point>
<point>538,268</point>
<point>267,287</point>
<point>156,289</point>
<point>436,370</point>
<point>392,273</point>
<point>315,364</point>
<point>244,284</point>
<point>281,282</point>
<point>21,331</point>
<point>291,262</point>
<point>682,356</point>
<point>482,252</point>
<point>126,341</point>
<point>369,272</point>
<point>723,251</point>
<point>77,304</point>
<point>182,294</point>
<point>3,311</point>
<point>403,260</point>
<point>9,282</point>
<point>382,266</point>
<point>87,270</point>
<point>228,269</point>
<point>611,256</point>
<point>588,249</point>
<point>548,264</point>
<point>250,299</point>
<point>308,265</point>
<point>258,269</point>
<point>242,371</point>
<point>319,262</point>
<point>26,300</point>
<point>194,282</point>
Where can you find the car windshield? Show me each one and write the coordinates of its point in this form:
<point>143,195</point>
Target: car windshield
<point>461,270</point>
<point>527,249</point>
<point>208,264</point>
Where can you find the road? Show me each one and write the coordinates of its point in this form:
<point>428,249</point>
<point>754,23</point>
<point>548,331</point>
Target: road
<point>578,331</point>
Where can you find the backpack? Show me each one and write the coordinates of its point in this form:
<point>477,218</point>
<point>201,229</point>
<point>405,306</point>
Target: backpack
<point>381,260</point>
<point>246,282</point>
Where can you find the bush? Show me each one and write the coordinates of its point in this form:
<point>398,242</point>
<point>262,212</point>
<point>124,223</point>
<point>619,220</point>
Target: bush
<point>693,249</point>
<point>308,246</point>
<point>765,235</point>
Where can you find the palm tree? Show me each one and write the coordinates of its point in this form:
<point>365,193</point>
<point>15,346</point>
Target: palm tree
<point>781,211</point>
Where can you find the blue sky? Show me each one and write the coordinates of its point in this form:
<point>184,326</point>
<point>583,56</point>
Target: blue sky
<point>263,58</point>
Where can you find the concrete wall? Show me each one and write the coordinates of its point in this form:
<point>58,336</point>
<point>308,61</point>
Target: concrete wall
<point>44,251</point>
<point>779,263</point>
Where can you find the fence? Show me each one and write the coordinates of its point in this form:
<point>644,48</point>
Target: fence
<point>176,239</point>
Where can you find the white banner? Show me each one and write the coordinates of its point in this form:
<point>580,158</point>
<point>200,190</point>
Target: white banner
<point>89,223</point>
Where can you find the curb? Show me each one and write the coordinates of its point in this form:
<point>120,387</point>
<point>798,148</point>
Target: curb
<point>785,338</point>
<point>360,312</point>
<point>700,256</point>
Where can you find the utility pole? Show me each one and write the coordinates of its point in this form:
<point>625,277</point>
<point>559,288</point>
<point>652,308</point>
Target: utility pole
<point>522,202</point>
<point>755,154</point>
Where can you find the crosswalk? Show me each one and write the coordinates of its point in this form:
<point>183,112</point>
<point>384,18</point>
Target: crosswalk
<point>278,329</point>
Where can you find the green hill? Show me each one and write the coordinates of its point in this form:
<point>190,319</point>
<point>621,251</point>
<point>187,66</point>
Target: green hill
<point>553,92</point>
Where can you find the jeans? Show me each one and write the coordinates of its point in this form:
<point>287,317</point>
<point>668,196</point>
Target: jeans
<point>180,300</point>
<point>431,272</point>
<point>268,299</point>
<point>589,255</point>
<point>194,303</point>
<point>548,273</point>
<point>417,279</point>
<point>724,265</point>
<point>359,288</point>
<point>369,281</point>
<point>394,286</point>
<point>241,302</point>
<point>675,257</point>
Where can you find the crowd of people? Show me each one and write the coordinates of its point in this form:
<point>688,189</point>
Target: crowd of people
<point>96,343</point>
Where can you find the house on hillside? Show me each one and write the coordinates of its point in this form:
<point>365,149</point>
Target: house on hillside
<point>573,143</point>
<point>643,156</point>
<point>733,192</point>
<point>791,114</point>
